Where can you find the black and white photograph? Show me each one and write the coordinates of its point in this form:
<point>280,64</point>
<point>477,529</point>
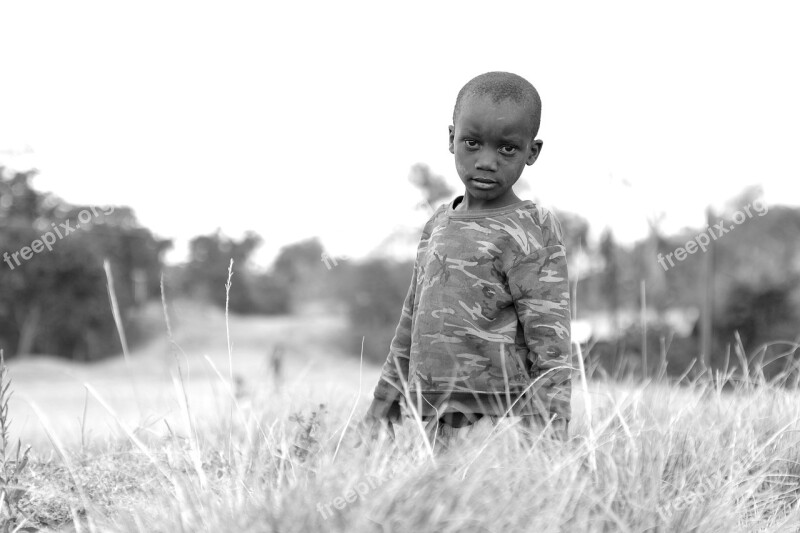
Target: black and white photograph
<point>423,267</point>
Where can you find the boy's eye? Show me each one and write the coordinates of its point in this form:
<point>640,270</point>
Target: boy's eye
<point>508,149</point>
<point>470,143</point>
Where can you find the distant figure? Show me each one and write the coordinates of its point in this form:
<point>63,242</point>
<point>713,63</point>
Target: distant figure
<point>487,313</point>
<point>238,386</point>
<point>276,364</point>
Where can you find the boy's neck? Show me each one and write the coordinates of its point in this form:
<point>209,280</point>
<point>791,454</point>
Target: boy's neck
<point>469,203</point>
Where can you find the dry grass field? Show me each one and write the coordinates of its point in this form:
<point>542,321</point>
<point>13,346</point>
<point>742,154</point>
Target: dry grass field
<point>166,443</point>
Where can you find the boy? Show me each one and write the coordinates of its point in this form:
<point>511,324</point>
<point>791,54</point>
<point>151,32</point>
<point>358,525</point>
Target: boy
<point>485,327</point>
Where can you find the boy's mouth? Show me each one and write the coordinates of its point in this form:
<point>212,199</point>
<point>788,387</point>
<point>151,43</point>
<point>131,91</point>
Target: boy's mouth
<point>483,183</point>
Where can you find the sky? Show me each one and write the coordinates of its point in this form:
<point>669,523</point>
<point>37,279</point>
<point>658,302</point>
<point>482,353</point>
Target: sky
<point>300,119</point>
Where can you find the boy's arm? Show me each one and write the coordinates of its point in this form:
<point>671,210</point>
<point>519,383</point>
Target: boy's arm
<point>540,288</point>
<point>385,404</point>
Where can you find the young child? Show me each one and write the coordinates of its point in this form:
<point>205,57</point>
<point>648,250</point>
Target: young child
<point>485,327</point>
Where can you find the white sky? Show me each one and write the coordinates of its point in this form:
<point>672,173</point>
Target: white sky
<point>304,119</point>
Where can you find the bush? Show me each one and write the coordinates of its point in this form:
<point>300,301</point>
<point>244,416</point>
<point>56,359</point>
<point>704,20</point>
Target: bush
<point>373,293</point>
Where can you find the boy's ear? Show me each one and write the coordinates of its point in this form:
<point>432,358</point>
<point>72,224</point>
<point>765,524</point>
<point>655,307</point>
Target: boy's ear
<point>452,130</point>
<point>536,149</point>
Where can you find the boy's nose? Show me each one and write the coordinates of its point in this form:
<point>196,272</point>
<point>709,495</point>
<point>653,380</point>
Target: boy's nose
<point>487,160</point>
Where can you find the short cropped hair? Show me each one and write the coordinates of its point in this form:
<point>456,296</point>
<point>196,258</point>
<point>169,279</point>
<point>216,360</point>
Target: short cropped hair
<point>501,86</point>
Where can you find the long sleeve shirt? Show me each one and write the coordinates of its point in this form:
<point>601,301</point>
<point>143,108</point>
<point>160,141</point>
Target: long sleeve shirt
<point>485,326</point>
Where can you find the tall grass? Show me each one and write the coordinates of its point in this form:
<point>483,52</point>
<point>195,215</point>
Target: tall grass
<point>717,453</point>
<point>662,458</point>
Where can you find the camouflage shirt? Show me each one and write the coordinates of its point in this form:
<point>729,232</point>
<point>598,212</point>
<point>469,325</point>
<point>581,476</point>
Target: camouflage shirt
<point>485,326</point>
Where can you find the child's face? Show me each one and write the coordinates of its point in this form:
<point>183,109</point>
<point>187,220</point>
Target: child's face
<point>492,142</point>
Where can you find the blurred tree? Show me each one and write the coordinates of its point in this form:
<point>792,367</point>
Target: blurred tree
<point>372,292</point>
<point>576,231</point>
<point>56,300</point>
<point>610,276</point>
<point>762,251</point>
<point>760,316</point>
<point>653,274</point>
<point>434,188</point>
<point>269,295</point>
<point>301,268</point>
<point>206,273</point>
<point>298,261</point>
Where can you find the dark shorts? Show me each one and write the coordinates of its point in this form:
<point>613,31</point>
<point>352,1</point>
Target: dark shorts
<point>456,420</point>
<point>457,424</point>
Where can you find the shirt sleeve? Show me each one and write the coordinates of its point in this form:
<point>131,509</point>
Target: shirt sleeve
<point>540,288</point>
<point>390,385</point>
<point>389,390</point>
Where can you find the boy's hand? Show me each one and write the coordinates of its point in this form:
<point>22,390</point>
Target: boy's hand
<point>371,427</point>
<point>378,419</point>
